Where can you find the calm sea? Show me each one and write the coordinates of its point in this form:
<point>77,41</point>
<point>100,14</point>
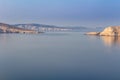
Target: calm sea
<point>59,56</point>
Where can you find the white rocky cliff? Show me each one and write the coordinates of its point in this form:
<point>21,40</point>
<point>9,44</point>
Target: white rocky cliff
<point>109,31</point>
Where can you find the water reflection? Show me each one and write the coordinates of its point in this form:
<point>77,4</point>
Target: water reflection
<point>3,38</point>
<point>110,41</point>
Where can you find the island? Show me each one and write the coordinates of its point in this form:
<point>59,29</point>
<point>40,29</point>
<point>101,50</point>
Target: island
<point>109,31</point>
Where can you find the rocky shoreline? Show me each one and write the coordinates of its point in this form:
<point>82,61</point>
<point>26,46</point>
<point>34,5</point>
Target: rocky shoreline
<point>6,28</point>
<point>109,31</point>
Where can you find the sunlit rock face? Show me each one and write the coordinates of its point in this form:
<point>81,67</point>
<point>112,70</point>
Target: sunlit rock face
<point>111,31</point>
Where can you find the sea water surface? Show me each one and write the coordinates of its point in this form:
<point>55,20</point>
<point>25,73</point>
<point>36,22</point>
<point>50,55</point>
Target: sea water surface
<point>59,56</point>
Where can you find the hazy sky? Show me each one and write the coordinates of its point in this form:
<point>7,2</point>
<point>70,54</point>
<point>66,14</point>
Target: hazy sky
<point>89,13</point>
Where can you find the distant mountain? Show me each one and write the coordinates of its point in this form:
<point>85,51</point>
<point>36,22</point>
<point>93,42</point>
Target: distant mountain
<point>35,28</point>
<point>45,28</point>
<point>6,28</point>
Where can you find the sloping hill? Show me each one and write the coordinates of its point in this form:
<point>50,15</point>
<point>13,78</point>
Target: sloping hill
<point>6,28</point>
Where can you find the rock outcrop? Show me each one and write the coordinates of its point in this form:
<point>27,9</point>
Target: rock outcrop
<point>93,33</point>
<point>109,31</point>
<point>5,28</point>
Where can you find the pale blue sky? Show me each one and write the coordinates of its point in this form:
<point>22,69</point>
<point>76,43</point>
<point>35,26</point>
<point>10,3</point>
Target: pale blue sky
<point>89,13</point>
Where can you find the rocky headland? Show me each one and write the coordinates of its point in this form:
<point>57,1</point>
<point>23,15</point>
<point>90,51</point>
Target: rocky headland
<point>109,31</point>
<point>6,28</point>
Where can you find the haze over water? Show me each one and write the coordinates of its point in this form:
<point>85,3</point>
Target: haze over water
<point>59,56</point>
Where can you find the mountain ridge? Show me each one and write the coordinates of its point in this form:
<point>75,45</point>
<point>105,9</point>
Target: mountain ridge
<point>7,28</point>
<point>44,27</point>
<point>35,27</point>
